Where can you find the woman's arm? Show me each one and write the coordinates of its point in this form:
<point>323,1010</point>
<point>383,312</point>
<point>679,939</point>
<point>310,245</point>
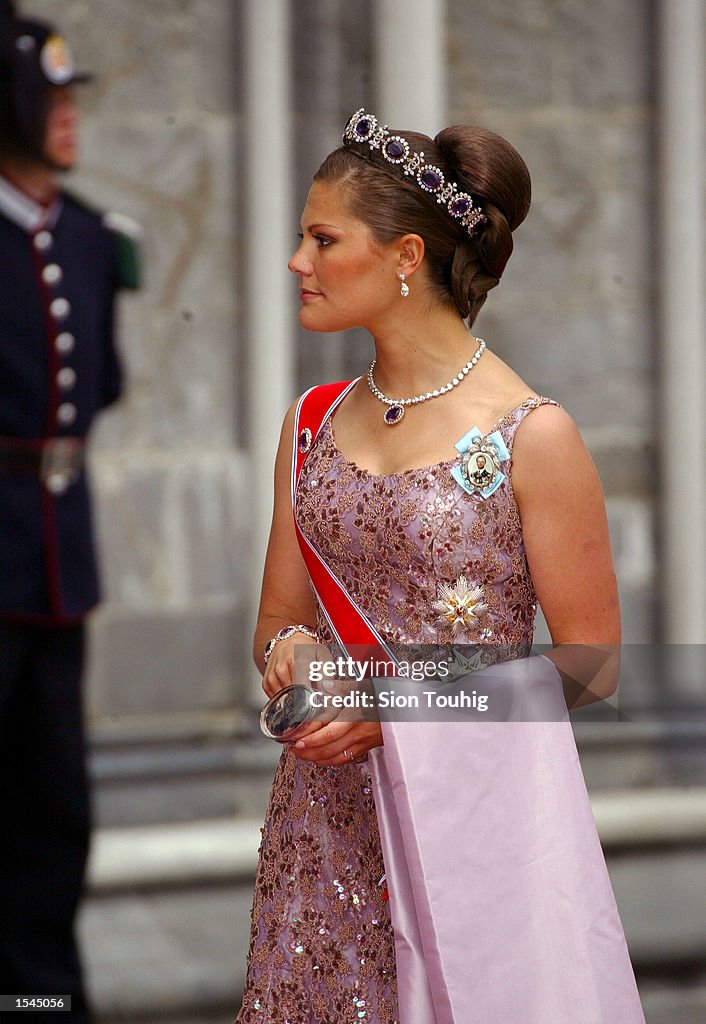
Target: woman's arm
<point>565,532</point>
<point>286,597</point>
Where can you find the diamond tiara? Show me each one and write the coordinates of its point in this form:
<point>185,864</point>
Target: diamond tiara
<point>365,129</point>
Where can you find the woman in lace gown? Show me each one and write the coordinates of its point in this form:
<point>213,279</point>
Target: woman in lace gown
<point>438,537</point>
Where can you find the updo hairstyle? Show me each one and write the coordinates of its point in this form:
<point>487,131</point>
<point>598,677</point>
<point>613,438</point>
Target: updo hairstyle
<point>463,269</point>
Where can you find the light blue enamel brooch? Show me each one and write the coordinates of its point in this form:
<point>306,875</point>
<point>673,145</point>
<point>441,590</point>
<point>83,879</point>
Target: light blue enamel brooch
<point>481,455</point>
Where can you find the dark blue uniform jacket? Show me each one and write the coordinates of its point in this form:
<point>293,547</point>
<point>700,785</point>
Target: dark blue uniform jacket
<point>58,368</point>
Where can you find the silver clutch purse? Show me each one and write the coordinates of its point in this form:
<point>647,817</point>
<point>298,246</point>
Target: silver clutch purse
<point>287,713</point>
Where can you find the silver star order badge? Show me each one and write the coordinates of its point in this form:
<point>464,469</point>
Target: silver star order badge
<point>460,604</point>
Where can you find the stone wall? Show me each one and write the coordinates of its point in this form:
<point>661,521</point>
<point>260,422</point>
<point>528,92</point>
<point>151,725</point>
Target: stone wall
<point>569,83</point>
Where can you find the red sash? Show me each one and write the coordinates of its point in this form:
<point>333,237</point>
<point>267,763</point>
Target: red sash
<point>348,623</point>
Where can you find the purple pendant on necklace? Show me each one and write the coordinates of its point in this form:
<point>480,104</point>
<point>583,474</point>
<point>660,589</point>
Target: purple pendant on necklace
<point>393,414</point>
<point>396,406</point>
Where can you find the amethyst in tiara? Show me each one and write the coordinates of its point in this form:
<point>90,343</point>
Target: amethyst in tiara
<point>365,129</point>
<point>396,150</point>
<point>430,178</point>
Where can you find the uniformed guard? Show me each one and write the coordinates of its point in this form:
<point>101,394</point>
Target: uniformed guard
<point>60,267</point>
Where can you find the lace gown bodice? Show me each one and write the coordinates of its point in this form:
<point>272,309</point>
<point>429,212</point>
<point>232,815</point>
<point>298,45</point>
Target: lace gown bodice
<point>393,541</point>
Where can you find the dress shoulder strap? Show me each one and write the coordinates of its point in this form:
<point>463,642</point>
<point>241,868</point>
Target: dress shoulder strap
<point>511,420</point>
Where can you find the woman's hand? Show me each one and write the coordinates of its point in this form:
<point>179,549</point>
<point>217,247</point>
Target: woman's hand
<point>284,667</point>
<point>337,742</point>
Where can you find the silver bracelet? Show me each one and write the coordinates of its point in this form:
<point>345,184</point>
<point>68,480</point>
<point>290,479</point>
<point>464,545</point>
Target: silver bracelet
<point>284,634</point>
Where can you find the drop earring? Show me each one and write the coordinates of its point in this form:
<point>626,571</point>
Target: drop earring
<point>404,287</point>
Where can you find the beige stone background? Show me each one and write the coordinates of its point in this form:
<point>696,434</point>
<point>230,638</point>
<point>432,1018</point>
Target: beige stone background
<point>571,83</point>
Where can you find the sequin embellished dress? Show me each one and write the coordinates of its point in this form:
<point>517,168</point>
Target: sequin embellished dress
<point>322,945</point>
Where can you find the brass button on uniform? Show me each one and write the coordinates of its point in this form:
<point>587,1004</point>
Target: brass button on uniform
<point>66,378</point>
<point>43,241</point>
<point>65,343</point>
<point>60,308</point>
<point>66,414</point>
<point>52,273</point>
<point>57,483</point>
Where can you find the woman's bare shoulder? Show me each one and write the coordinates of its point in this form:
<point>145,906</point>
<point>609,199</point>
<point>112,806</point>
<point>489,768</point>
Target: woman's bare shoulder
<point>550,456</point>
<point>547,423</point>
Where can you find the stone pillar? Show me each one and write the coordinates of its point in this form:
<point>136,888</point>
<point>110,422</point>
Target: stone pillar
<point>410,64</point>
<point>269,294</point>
<point>682,301</point>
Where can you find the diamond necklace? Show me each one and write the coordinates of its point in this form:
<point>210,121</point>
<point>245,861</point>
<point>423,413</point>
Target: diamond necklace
<point>395,406</point>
